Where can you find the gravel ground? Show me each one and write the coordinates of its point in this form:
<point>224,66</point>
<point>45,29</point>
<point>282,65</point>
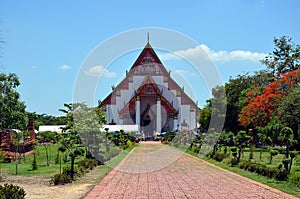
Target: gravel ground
<point>38,186</point>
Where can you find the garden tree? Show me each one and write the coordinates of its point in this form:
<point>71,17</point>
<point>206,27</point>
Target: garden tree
<point>285,56</point>
<point>218,109</point>
<point>16,141</point>
<point>272,130</point>
<point>70,139</point>
<point>88,124</point>
<point>272,154</point>
<point>289,111</point>
<point>44,119</point>
<point>25,137</point>
<point>211,141</point>
<point>286,136</point>
<point>34,153</point>
<point>205,115</point>
<point>292,155</point>
<point>236,90</point>
<point>261,107</point>
<point>214,112</point>
<point>12,109</point>
<point>47,138</point>
<point>241,141</point>
<point>261,141</point>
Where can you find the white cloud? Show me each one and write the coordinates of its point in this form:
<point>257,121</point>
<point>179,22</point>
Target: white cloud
<point>184,73</point>
<point>204,52</point>
<point>96,71</point>
<point>64,67</point>
<point>34,67</point>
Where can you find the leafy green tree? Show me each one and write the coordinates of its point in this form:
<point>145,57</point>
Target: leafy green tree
<point>289,110</point>
<point>241,141</point>
<point>236,90</point>
<point>285,56</point>
<point>272,130</point>
<point>286,136</point>
<point>44,119</point>
<point>12,109</point>
<point>34,153</point>
<point>272,154</point>
<point>218,109</point>
<point>261,142</point>
<point>46,138</point>
<point>205,115</point>
<point>70,139</point>
<point>16,141</point>
<point>88,123</point>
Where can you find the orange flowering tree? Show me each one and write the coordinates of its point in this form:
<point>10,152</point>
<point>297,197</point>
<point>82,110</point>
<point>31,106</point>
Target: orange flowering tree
<point>262,105</point>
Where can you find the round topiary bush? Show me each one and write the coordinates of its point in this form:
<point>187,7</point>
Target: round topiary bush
<point>61,179</point>
<point>11,191</point>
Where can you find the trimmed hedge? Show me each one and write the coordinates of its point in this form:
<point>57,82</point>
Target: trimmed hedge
<point>271,172</point>
<point>84,166</point>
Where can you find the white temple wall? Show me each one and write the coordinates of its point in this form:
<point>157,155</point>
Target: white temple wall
<point>193,120</point>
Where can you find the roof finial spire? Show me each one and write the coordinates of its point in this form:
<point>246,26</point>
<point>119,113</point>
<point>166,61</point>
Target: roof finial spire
<point>147,37</point>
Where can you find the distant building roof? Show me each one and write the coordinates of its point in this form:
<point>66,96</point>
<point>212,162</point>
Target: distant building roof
<point>52,128</point>
<point>126,128</point>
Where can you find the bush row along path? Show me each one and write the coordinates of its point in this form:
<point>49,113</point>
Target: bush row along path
<point>153,170</point>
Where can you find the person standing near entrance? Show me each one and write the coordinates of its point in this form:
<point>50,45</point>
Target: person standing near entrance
<point>143,136</point>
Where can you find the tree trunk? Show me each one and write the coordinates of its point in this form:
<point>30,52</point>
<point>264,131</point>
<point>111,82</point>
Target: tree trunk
<point>239,154</point>
<point>72,166</point>
<point>290,167</point>
<point>287,150</point>
<point>296,137</point>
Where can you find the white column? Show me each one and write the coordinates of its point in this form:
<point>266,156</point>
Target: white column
<point>138,113</point>
<point>175,122</point>
<point>158,115</point>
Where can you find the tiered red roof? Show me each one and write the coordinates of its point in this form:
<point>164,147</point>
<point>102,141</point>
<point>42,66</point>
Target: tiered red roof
<point>147,64</point>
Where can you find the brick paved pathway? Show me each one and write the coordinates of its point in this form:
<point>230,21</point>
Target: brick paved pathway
<point>156,171</point>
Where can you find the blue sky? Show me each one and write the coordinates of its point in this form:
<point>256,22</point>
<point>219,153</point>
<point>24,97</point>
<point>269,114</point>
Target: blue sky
<point>46,42</point>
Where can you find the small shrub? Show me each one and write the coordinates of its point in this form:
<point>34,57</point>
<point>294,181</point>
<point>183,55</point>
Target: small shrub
<point>285,163</point>
<point>2,157</point>
<point>61,179</point>
<point>270,172</point>
<point>295,178</point>
<point>234,161</point>
<point>11,191</point>
<point>88,164</point>
<point>281,150</point>
<point>260,169</point>
<point>281,175</point>
<point>67,171</point>
<point>219,156</point>
<point>243,164</point>
<point>251,167</point>
<point>234,152</point>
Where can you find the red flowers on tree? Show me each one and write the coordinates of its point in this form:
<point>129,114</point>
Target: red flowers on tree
<point>262,105</point>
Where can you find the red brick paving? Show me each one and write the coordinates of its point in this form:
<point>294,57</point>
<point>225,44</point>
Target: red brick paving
<point>185,177</point>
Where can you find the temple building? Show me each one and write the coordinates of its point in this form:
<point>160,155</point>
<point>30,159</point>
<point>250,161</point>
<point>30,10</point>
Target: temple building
<point>150,98</point>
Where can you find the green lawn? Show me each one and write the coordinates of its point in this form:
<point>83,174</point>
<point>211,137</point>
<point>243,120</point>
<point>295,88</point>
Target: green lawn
<point>25,167</point>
